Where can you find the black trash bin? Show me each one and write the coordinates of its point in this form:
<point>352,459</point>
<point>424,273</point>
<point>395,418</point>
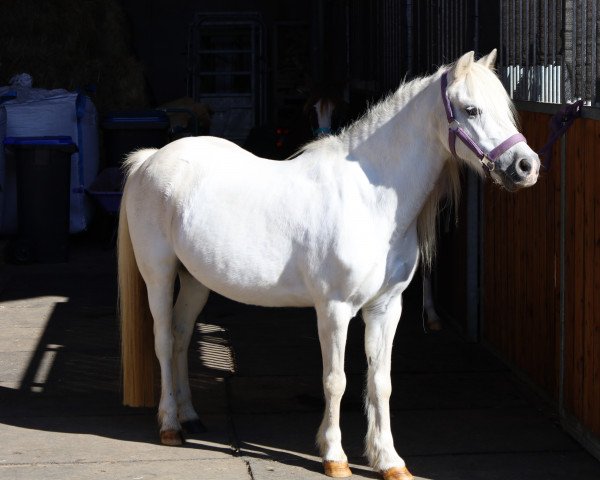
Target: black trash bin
<point>125,132</point>
<point>43,197</point>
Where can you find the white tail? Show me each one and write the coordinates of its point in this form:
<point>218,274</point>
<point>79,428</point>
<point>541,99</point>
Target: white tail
<point>137,338</point>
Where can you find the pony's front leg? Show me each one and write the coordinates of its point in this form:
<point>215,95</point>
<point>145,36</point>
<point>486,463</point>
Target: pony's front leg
<point>333,320</point>
<point>381,319</point>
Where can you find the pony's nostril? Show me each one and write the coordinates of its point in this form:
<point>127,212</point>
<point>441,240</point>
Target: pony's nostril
<point>524,166</point>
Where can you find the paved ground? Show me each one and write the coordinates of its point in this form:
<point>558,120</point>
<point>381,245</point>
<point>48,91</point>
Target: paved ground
<point>457,412</point>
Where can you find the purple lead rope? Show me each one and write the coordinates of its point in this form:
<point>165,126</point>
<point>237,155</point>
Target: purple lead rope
<point>559,124</point>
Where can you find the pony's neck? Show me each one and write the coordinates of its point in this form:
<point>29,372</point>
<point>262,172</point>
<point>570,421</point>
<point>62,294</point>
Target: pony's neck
<point>398,145</point>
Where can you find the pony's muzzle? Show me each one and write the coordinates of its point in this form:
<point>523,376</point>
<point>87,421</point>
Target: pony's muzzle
<point>517,170</point>
<point>524,170</point>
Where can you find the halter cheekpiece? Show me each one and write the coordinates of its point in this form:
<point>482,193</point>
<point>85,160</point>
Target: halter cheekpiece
<point>455,129</point>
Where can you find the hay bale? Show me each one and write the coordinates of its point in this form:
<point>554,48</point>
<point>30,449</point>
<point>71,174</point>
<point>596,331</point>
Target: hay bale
<point>73,44</point>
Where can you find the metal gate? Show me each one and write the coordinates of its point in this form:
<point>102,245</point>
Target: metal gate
<point>226,72</point>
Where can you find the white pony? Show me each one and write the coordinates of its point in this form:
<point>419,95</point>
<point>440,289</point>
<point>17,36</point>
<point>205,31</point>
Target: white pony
<point>339,228</point>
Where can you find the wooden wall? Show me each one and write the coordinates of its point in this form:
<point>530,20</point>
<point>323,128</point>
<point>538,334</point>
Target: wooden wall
<point>521,272</point>
<point>582,294</point>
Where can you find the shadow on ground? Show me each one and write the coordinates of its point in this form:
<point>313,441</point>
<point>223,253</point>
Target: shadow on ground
<point>256,382</point>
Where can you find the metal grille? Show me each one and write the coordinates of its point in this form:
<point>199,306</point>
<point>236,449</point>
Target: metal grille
<point>530,49</point>
<point>392,25</point>
<point>582,67</point>
<point>389,40</point>
<point>444,30</point>
<point>549,50</point>
<point>376,44</point>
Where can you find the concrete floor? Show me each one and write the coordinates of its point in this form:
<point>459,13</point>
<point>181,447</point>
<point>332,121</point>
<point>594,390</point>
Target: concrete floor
<point>457,412</point>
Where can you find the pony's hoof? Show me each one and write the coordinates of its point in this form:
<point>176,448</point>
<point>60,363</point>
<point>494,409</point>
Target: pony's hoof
<point>193,426</point>
<point>173,438</point>
<point>337,469</point>
<point>434,326</point>
<point>397,473</point>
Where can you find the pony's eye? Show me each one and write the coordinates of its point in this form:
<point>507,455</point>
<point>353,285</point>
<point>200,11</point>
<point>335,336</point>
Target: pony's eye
<point>473,112</point>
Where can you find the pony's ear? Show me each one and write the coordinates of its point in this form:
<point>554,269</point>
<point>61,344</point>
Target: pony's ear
<point>463,64</point>
<point>489,60</point>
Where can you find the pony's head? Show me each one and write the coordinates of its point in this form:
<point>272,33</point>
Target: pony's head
<point>326,109</point>
<point>481,123</point>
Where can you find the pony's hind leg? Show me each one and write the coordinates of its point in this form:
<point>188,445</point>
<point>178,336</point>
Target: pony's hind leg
<point>381,320</point>
<point>433,320</point>
<point>333,320</point>
<point>190,302</point>
<point>159,275</point>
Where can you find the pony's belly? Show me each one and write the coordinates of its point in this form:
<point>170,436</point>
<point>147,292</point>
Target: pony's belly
<point>272,297</point>
<point>248,279</point>
<point>257,292</point>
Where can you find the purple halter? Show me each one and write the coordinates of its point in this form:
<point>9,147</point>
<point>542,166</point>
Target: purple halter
<point>456,130</point>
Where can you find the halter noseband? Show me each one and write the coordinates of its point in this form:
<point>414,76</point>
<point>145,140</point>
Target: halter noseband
<point>456,130</point>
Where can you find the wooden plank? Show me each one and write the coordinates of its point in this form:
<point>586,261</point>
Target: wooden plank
<point>490,274</point>
<point>501,280</point>
<point>546,370</point>
<point>557,177</point>
<point>556,230</point>
<point>493,291</point>
<point>590,402</point>
<point>531,257</point>
<point>532,240</point>
<point>542,206</point>
<point>490,299</point>
<point>577,266</point>
<point>513,271</point>
<point>587,267</point>
<point>505,303</point>
<point>540,272</point>
<point>595,392</point>
<point>489,256</point>
<point>523,210</point>
<point>549,274</point>
<point>569,354</point>
<point>493,276</point>
<point>515,275</point>
<point>546,299</point>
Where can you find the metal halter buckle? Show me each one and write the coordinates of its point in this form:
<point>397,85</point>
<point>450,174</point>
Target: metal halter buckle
<point>489,164</point>
<point>454,125</point>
